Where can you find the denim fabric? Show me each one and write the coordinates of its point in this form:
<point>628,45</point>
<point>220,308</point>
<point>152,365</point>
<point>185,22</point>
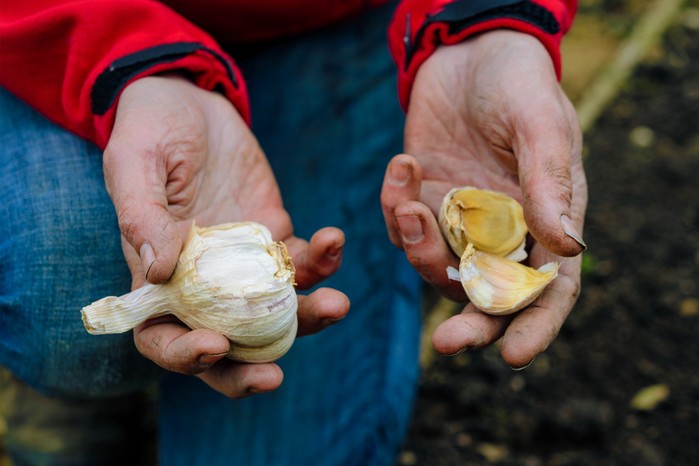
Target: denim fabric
<point>59,251</point>
<point>326,113</point>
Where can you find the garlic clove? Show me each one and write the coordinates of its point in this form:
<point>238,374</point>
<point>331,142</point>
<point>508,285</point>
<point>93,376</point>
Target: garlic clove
<point>266,353</point>
<point>493,222</point>
<point>231,278</point>
<point>500,286</point>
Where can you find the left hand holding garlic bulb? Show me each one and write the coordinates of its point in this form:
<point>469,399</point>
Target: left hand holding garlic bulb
<point>179,153</point>
<point>230,278</point>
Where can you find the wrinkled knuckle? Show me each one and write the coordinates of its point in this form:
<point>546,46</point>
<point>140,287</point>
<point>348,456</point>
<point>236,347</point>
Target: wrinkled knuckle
<point>155,353</point>
<point>146,346</point>
<point>571,288</point>
<point>559,174</point>
<point>386,198</point>
<point>575,291</point>
<point>183,362</point>
<point>128,220</point>
<point>165,356</point>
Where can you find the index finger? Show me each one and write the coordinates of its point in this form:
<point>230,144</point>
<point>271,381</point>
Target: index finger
<point>401,184</point>
<point>173,346</point>
<point>535,327</point>
<point>318,258</point>
<point>201,352</point>
<point>426,249</point>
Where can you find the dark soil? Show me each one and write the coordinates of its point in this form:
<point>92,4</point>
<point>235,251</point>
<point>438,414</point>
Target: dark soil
<point>636,323</point>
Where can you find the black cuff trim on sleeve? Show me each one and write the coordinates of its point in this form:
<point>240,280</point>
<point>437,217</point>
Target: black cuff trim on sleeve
<point>111,81</point>
<point>462,14</point>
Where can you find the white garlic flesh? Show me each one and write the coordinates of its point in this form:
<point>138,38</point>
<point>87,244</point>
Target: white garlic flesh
<point>499,286</point>
<point>231,278</point>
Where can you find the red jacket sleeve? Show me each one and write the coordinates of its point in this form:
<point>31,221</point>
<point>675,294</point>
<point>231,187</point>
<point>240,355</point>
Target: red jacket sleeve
<point>71,59</point>
<point>420,26</point>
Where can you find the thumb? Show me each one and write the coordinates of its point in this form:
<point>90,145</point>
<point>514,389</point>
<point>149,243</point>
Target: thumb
<point>137,189</point>
<point>153,233</point>
<point>545,154</point>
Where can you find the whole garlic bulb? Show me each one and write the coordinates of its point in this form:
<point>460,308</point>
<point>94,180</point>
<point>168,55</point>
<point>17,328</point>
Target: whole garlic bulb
<point>231,278</point>
<point>486,229</point>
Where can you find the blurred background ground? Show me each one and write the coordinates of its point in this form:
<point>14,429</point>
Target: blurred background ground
<point>620,386</point>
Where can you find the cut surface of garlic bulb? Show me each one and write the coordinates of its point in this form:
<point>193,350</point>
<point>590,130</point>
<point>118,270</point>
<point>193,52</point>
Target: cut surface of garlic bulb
<point>500,286</point>
<point>231,278</point>
<point>493,222</point>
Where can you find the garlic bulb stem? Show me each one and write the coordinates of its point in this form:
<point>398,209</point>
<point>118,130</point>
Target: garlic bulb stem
<point>120,314</point>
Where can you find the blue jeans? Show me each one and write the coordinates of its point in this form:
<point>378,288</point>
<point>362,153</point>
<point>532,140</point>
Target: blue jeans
<point>325,111</point>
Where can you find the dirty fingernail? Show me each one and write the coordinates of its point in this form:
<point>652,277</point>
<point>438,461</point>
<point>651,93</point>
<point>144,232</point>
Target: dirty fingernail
<point>147,258</point>
<point>252,391</point>
<point>524,366</point>
<point>458,352</point>
<point>206,360</point>
<point>327,322</point>
<point>410,228</point>
<point>334,252</point>
<point>400,173</point>
<point>570,230</point>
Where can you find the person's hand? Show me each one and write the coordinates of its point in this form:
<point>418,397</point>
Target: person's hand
<point>177,154</point>
<point>490,113</point>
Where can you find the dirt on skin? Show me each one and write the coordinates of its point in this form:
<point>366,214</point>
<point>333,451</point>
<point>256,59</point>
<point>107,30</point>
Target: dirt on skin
<point>636,324</point>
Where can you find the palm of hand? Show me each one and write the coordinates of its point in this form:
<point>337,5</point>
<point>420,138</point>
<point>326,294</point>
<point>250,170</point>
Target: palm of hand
<point>177,154</point>
<point>510,127</point>
<point>489,113</point>
<point>471,135</point>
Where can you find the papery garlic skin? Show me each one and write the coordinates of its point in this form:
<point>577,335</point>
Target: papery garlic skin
<point>493,222</point>
<point>231,278</point>
<point>486,229</point>
<point>499,286</point>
